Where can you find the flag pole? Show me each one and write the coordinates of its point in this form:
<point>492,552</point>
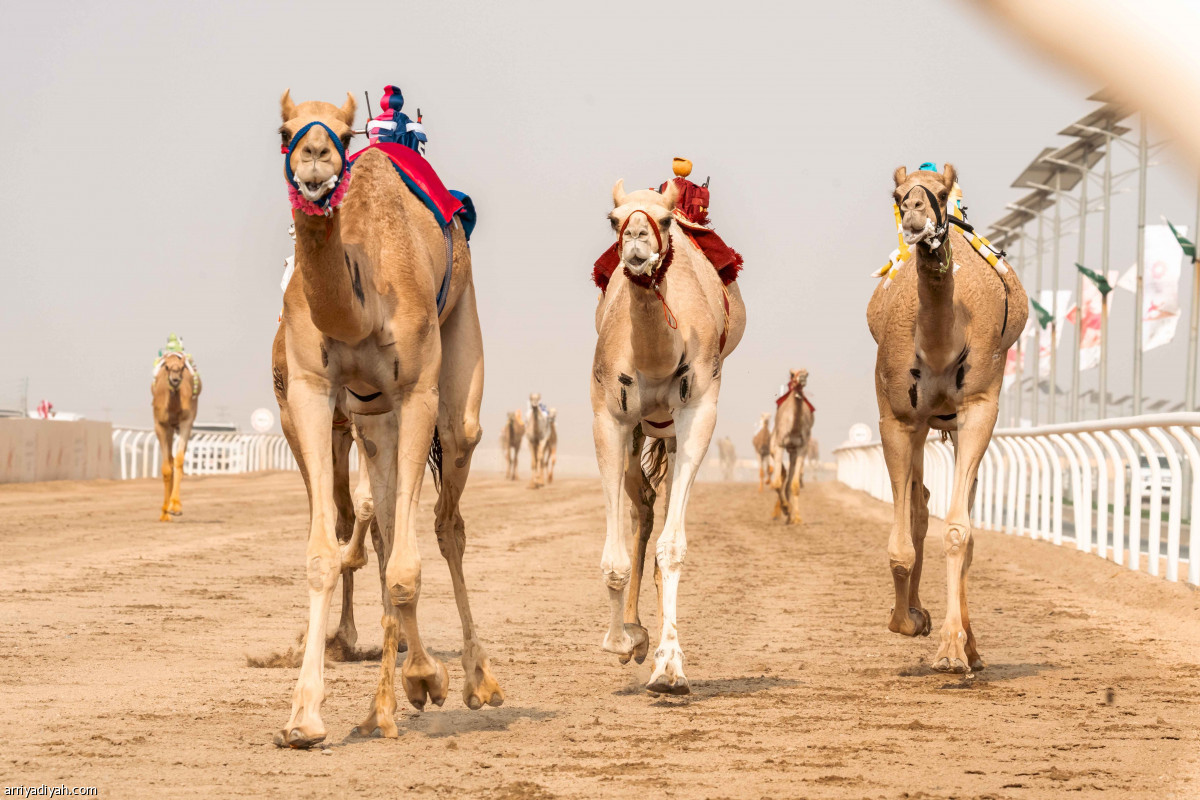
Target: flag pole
<point>1141,269</point>
<point>1190,390</point>
<point>1054,302</point>
<point>1103,406</point>
<point>1103,353</point>
<point>1037,356</point>
<point>1019,383</point>
<point>1083,191</point>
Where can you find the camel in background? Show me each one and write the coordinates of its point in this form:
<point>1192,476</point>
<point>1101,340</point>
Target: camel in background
<point>537,431</point>
<point>793,427</point>
<point>510,443</point>
<point>727,455</point>
<point>813,456</point>
<point>943,326</point>
<point>762,448</point>
<point>550,449</point>
<point>365,318</point>
<point>175,393</point>
<point>662,341</point>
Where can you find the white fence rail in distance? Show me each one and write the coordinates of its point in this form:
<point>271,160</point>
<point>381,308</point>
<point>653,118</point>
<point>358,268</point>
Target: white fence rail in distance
<point>1097,484</point>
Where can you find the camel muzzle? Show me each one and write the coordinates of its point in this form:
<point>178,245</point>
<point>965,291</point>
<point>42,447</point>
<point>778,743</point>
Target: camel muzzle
<point>316,198</point>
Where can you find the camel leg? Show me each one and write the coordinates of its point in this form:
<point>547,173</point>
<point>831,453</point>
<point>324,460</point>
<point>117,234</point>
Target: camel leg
<point>899,442</point>
<point>694,426</point>
<point>355,512</point>
<point>613,441</point>
<point>802,454</point>
<point>958,651</point>
<point>781,483</point>
<point>311,408</point>
<point>640,493</point>
<point>795,460</point>
<point>166,436</point>
<point>920,525</point>
<point>424,677</point>
<point>377,441</point>
<point>535,465</point>
<point>551,460</point>
<point>185,433</point>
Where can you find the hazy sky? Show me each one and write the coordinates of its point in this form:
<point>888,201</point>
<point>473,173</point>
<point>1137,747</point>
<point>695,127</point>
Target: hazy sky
<point>146,195</point>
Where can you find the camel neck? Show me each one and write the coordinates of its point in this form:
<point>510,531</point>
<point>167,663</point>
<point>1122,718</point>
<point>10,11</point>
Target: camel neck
<point>333,281</point>
<point>657,347</point>
<point>935,327</point>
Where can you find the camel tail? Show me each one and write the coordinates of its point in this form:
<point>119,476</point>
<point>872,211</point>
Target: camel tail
<point>654,462</point>
<point>435,461</point>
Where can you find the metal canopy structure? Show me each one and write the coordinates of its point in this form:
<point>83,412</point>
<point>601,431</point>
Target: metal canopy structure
<point>1009,228</point>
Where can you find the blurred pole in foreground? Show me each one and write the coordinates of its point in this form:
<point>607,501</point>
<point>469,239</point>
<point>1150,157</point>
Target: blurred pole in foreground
<point>1111,43</point>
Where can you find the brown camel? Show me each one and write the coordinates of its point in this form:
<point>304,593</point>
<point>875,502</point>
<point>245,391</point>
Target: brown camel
<point>727,457</point>
<point>663,339</point>
<point>762,448</point>
<point>793,427</point>
<point>176,396</point>
<point>510,443</point>
<point>943,327</point>
<point>363,317</point>
<point>550,448</point>
<point>537,431</point>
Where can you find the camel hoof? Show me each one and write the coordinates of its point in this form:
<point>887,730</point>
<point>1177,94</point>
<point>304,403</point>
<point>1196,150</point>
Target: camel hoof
<point>977,664</point>
<point>918,623</point>
<point>641,644</point>
<point>432,685</point>
<point>661,685</point>
<point>164,517</point>
<point>944,664</point>
<point>297,739</point>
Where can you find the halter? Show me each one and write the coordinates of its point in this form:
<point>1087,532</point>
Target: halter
<point>341,182</point>
<point>653,279</point>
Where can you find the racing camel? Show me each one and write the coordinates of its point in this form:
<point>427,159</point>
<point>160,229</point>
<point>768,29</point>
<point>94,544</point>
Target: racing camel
<point>510,442</point>
<point>385,309</point>
<point>665,323</point>
<point>175,393</point>
<point>793,428</point>
<point>537,431</point>
<point>762,448</point>
<point>943,326</point>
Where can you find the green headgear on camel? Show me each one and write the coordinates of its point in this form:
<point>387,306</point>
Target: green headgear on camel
<point>174,345</point>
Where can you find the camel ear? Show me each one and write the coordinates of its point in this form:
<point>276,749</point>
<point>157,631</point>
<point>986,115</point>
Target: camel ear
<point>671,195</point>
<point>287,109</point>
<point>347,110</point>
<point>949,175</point>
<point>899,175</point>
<point>619,193</point>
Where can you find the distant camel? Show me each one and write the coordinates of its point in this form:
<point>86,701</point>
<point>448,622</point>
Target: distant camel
<point>728,458</point>
<point>510,443</point>
<point>762,448</point>
<point>550,450</point>
<point>537,431</point>
<point>793,427</point>
<point>175,389</point>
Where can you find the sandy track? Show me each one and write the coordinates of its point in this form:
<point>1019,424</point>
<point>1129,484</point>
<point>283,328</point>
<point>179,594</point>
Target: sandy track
<point>124,645</point>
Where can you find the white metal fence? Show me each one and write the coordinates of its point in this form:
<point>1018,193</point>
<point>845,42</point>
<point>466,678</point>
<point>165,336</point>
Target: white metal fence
<point>136,453</point>
<point>1105,485</point>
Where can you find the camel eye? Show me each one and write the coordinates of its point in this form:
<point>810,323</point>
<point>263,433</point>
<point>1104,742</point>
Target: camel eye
<point>942,196</point>
<point>896,198</point>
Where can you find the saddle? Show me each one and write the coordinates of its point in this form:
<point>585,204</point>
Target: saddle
<point>421,179</point>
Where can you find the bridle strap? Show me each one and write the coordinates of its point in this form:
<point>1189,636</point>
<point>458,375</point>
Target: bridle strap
<point>933,203</point>
<point>649,219</point>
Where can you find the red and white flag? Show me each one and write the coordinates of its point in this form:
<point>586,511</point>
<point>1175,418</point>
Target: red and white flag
<point>1160,301</point>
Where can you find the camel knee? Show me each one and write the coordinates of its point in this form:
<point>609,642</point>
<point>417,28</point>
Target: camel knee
<point>452,537</point>
<point>364,509</point>
<point>404,583</point>
<point>323,570</point>
<point>616,571</point>
<point>902,556</point>
<point>670,552</point>
<point>958,539</point>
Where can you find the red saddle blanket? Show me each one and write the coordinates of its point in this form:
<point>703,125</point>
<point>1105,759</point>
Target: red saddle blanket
<point>725,260</point>
<point>418,174</point>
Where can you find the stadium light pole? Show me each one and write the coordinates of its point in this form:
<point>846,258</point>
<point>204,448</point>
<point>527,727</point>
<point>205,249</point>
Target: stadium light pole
<point>1037,357</point>
<point>1103,399</point>
<point>1054,298</point>
<point>1019,381</point>
<point>1085,170</point>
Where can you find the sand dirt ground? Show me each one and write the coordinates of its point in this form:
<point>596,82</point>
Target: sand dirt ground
<point>124,645</point>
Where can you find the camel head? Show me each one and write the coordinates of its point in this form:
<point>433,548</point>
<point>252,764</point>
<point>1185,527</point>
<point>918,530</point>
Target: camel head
<point>173,365</point>
<point>552,414</point>
<point>765,419</point>
<point>534,399</point>
<point>315,136</point>
<point>642,222</point>
<point>923,197</point>
<point>798,379</point>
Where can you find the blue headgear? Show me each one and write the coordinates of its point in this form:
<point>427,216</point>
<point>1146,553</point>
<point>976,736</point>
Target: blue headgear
<point>928,166</point>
